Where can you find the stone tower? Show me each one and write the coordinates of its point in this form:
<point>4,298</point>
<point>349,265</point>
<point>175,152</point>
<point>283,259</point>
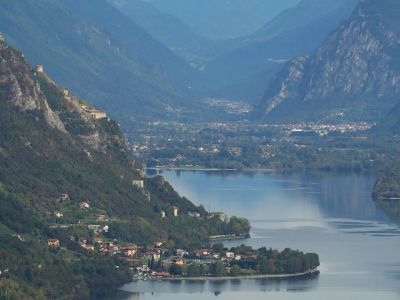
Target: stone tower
<point>39,69</point>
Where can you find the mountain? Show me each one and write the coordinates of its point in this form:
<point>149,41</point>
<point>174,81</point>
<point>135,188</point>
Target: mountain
<point>389,125</point>
<point>353,76</point>
<point>221,19</point>
<point>296,31</point>
<point>66,177</point>
<point>101,54</point>
<point>169,30</point>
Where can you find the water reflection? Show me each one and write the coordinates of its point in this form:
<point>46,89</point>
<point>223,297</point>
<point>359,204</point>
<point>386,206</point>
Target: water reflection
<point>391,208</point>
<point>222,286</point>
<point>262,196</point>
<point>330,214</point>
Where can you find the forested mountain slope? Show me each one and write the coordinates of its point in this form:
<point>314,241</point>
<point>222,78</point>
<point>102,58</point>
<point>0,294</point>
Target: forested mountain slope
<point>101,55</point>
<point>57,152</point>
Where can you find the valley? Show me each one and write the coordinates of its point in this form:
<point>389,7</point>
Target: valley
<point>184,148</point>
<point>251,146</point>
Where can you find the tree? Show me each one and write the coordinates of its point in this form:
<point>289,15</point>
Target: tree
<point>194,270</point>
<point>217,269</point>
<point>176,270</point>
<point>235,270</point>
<point>204,269</point>
<point>218,247</point>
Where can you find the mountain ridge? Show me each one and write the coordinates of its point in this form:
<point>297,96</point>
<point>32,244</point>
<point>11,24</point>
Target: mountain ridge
<point>88,50</point>
<point>296,31</point>
<point>351,77</point>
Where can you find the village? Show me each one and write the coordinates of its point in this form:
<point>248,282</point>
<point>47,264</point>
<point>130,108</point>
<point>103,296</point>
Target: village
<point>158,260</point>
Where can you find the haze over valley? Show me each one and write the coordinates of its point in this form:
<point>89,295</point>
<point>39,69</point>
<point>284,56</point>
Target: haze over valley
<point>251,146</point>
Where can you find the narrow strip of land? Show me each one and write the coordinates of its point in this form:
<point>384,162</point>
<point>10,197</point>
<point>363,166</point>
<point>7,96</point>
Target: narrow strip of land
<point>259,276</point>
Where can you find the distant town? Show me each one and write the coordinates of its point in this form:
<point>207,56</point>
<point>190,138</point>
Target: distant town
<point>235,145</point>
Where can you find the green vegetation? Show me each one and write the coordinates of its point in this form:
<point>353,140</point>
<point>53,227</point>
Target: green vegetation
<point>252,146</point>
<point>386,193</point>
<point>245,261</point>
<point>39,272</point>
<point>46,174</point>
<point>387,187</point>
<point>268,261</point>
<point>100,54</point>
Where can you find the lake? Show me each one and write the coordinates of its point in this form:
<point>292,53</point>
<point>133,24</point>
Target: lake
<point>330,214</point>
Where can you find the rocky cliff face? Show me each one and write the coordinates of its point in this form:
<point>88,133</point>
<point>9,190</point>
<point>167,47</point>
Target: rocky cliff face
<point>27,90</point>
<point>18,86</point>
<point>52,144</point>
<point>353,76</point>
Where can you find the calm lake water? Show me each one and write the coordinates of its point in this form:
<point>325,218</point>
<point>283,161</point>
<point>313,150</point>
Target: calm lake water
<point>331,214</point>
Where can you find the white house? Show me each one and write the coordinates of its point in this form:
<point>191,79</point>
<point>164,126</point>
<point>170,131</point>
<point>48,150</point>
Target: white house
<point>175,211</point>
<point>138,183</point>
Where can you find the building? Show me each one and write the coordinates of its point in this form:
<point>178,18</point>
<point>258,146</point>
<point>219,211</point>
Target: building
<point>175,211</point>
<point>97,240</point>
<point>39,69</point>
<point>223,217</point>
<point>138,183</point>
<point>112,249</point>
<point>93,227</point>
<point>84,205</point>
<point>194,214</point>
<point>64,197</point>
<point>178,261</point>
<point>53,242</point>
<point>162,274</point>
<point>104,229</point>
<point>87,247</point>
<point>163,214</point>
<point>202,252</point>
<point>181,253</point>
<point>65,92</point>
<point>103,218</point>
<point>229,254</point>
<point>58,214</point>
<point>94,113</point>
<point>128,250</point>
<point>158,244</point>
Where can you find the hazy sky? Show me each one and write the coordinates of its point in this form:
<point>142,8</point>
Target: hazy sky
<point>219,19</point>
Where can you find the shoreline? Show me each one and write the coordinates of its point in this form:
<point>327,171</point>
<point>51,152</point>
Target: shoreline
<point>206,169</point>
<point>228,238</point>
<point>251,277</point>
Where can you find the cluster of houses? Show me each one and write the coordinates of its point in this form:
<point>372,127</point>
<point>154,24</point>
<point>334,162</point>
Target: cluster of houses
<point>209,254</point>
<point>184,258</point>
<point>107,247</point>
<point>101,246</point>
<point>137,256</point>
